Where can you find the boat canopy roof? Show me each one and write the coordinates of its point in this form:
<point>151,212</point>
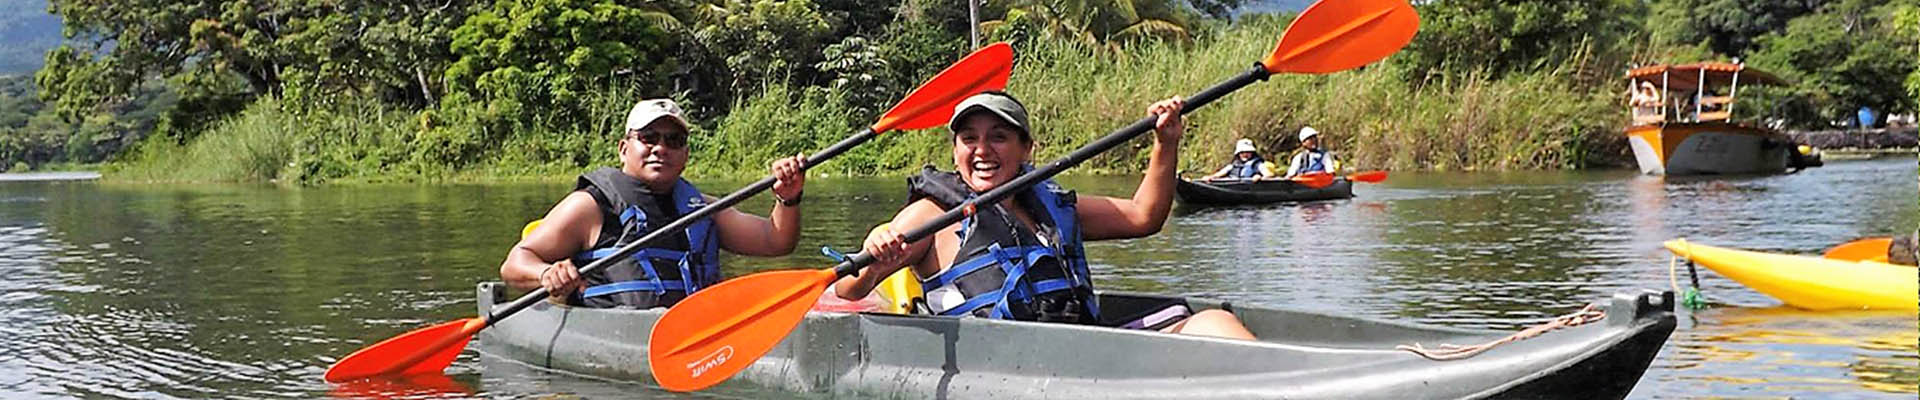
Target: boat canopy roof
<point>1686,77</point>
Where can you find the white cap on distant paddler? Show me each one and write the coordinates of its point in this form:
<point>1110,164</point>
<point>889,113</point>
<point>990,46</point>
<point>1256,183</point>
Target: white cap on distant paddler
<point>647,111</point>
<point>998,103</point>
<point>1244,146</point>
<point>1307,132</point>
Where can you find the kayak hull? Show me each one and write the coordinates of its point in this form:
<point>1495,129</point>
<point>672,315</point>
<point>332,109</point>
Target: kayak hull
<point>1811,283</point>
<point>1300,355</point>
<point>1259,192</point>
<point>1709,148</point>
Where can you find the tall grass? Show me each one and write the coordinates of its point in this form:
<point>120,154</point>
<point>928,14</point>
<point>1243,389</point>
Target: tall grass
<point>270,141</point>
<point>1373,118</point>
<point>1077,93</point>
<point>1554,117</point>
<point>252,146</point>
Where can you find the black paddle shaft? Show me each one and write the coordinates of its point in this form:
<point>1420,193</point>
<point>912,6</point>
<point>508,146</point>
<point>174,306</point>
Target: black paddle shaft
<point>681,224</point>
<point>852,264</point>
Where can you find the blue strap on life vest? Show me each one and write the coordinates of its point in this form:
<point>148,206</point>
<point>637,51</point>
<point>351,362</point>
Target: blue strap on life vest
<point>1067,224</point>
<point>1015,261</point>
<point>634,286</point>
<point>1316,162</point>
<point>1248,169</point>
<point>700,241</point>
<point>1015,288</point>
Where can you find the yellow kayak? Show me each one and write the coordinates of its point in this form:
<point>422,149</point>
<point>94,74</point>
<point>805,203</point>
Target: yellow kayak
<point>1812,283</point>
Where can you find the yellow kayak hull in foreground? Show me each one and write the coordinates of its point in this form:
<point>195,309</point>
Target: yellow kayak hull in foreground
<point>1811,283</point>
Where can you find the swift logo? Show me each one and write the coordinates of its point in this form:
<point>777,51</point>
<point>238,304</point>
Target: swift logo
<point>711,360</point>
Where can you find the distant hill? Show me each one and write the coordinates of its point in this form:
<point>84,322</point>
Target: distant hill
<point>1272,6</point>
<point>28,32</point>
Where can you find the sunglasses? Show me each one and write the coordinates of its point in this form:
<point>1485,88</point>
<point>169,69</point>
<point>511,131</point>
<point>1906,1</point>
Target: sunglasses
<point>675,140</point>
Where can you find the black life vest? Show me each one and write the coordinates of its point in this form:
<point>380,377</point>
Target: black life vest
<point>655,276</point>
<point>1005,270</point>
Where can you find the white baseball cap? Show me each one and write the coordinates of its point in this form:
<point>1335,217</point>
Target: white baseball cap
<point>647,111</point>
<point>1307,132</point>
<point>1244,146</point>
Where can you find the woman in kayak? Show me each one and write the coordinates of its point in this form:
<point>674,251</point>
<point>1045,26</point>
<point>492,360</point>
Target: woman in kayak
<point>1246,164</point>
<point>1310,158</point>
<point>612,207</point>
<point>1022,258</point>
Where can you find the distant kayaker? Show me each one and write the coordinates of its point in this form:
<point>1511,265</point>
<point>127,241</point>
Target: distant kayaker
<point>1246,164</point>
<point>1311,158</point>
<point>611,207</point>
<point>1031,241</point>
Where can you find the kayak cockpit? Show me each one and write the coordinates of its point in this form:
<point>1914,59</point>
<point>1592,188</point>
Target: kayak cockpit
<point>1301,354</point>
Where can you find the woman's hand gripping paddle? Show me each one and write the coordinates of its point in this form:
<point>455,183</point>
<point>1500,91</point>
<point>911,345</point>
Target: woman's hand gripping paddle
<point>431,349</point>
<point>717,332</point>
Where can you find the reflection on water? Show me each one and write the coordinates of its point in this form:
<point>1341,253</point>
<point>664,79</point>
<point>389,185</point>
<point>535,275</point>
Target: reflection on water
<point>197,291</point>
<point>1782,351</point>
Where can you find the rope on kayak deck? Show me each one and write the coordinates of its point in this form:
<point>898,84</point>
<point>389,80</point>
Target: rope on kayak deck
<point>1690,298</point>
<point>1449,352</point>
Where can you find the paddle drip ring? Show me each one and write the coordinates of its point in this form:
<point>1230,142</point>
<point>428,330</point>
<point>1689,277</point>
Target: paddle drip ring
<point>1449,352</point>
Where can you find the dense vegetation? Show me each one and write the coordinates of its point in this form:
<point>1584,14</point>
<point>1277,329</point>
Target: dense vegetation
<point>474,89</point>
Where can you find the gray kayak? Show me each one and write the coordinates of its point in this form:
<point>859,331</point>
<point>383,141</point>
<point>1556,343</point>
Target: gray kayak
<point>1235,192</point>
<point>1300,355</point>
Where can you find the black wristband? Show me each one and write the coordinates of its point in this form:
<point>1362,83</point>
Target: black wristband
<point>790,202</point>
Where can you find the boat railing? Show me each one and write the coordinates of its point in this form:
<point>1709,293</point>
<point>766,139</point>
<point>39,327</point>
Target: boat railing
<point>1684,99</point>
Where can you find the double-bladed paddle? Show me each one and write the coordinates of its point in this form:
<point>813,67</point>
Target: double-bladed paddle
<point>717,332</point>
<point>1322,179</point>
<point>432,348</point>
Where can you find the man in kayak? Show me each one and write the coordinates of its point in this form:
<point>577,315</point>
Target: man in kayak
<point>612,207</point>
<point>1310,158</point>
<point>1022,258</point>
<point>1246,164</point>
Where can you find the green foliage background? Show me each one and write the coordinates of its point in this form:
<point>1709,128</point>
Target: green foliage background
<point>352,90</point>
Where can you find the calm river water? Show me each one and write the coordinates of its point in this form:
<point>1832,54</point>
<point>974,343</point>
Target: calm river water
<point>235,291</point>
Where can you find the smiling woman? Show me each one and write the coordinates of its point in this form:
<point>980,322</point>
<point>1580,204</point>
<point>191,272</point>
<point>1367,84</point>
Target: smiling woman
<point>1022,258</point>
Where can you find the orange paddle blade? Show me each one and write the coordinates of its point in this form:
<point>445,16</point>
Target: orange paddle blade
<point>1860,250</point>
<point>932,104</point>
<point>1368,177</point>
<point>721,330</point>
<point>423,350</point>
<point>1314,179</point>
<point>1333,36</point>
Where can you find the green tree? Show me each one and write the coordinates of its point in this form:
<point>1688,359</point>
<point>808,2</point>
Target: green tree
<point>532,67</point>
<point>1845,57</point>
<point>767,40</point>
<point>223,54</point>
<point>559,48</point>
<point>1906,27</point>
<point>1458,37</point>
<point>858,73</point>
<point>1099,23</point>
<point>1730,27</point>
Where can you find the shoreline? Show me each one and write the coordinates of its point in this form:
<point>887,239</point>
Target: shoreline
<point>50,176</point>
<point>1897,139</point>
